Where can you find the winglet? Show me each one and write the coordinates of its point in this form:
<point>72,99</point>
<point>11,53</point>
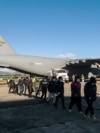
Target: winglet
<point>5,48</point>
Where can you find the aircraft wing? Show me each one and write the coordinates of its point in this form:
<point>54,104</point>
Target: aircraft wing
<point>87,67</point>
<point>82,62</point>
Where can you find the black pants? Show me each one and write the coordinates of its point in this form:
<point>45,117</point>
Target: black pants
<point>89,107</point>
<point>16,88</point>
<point>77,101</point>
<point>11,88</point>
<point>30,91</point>
<point>44,92</point>
<point>61,96</point>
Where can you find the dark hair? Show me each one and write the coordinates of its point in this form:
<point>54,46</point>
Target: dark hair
<point>76,77</point>
<point>93,80</point>
<point>53,77</point>
<point>60,77</point>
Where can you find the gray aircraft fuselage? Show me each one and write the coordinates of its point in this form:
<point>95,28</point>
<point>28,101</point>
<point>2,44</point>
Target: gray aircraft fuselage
<point>31,64</point>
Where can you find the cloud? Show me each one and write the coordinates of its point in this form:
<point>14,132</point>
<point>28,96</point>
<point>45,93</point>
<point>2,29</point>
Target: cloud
<point>67,56</point>
<point>93,57</point>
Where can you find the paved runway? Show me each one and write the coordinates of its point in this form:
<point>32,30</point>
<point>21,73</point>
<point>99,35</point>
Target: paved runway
<point>21,114</point>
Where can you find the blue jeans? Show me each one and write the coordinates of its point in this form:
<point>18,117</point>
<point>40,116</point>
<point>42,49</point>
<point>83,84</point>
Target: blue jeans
<point>21,87</point>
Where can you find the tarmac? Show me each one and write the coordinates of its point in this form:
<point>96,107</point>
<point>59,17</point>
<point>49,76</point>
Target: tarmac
<point>21,114</point>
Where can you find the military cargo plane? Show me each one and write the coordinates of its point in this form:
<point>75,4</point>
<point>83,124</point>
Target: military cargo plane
<point>41,65</point>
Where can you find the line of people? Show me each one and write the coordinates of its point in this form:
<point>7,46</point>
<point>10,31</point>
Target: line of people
<point>21,85</point>
<point>55,89</point>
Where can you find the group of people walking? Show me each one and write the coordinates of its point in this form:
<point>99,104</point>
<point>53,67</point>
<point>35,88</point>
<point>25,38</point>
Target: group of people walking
<point>55,89</point>
<point>90,89</point>
<point>20,85</point>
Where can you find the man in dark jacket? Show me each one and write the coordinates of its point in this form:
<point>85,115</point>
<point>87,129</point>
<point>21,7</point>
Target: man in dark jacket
<point>52,89</point>
<point>76,95</point>
<point>11,85</point>
<point>60,92</point>
<point>90,89</point>
<point>44,87</point>
<point>30,87</point>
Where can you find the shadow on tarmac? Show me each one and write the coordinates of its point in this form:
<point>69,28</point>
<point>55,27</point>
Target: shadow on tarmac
<point>35,115</point>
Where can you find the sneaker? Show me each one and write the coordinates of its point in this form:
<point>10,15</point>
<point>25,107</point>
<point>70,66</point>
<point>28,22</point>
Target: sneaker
<point>81,113</point>
<point>70,110</point>
<point>94,119</point>
<point>86,116</point>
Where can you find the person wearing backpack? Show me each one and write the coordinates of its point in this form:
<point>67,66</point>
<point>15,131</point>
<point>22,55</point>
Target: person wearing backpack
<point>90,89</point>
